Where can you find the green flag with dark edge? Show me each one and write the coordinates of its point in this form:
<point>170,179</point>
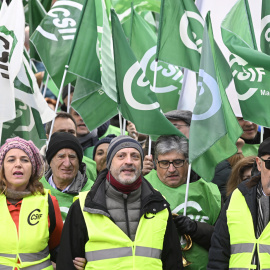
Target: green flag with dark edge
<point>212,116</point>
<point>250,68</point>
<point>54,38</point>
<point>26,125</point>
<point>84,61</point>
<point>36,13</point>
<point>180,34</point>
<point>137,104</point>
<point>143,42</point>
<point>265,27</point>
<point>92,103</point>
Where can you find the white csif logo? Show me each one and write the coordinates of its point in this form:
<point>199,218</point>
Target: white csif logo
<point>67,25</point>
<point>194,205</point>
<point>212,85</point>
<point>170,72</point>
<point>264,22</point>
<point>127,85</point>
<point>183,29</point>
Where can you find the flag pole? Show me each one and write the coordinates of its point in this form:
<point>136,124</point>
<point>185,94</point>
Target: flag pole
<point>68,101</point>
<point>57,103</point>
<point>149,146</point>
<point>187,189</point>
<point>124,125</point>
<point>120,122</point>
<point>262,131</point>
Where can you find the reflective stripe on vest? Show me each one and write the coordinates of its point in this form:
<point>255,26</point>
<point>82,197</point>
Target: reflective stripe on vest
<point>108,244</point>
<point>242,237</point>
<point>240,248</point>
<point>122,252</point>
<point>4,267</point>
<point>39,266</point>
<point>30,257</point>
<point>8,255</point>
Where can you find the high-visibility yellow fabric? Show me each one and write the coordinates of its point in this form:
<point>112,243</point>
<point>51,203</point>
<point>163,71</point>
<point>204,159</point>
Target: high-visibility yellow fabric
<point>110,248</point>
<point>30,245</point>
<point>242,236</point>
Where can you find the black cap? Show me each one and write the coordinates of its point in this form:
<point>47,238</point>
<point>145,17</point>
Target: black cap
<point>60,140</point>
<point>264,148</point>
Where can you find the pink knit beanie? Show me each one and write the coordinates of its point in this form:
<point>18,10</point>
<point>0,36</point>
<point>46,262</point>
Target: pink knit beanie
<point>28,147</point>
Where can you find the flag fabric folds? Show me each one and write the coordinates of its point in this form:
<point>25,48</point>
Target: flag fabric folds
<point>250,68</point>
<point>12,40</point>
<point>137,103</point>
<point>54,38</point>
<point>143,42</point>
<point>214,129</point>
<point>180,34</point>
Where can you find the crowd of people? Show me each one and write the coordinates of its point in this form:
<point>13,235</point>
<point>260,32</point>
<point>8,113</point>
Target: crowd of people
<point>122,208</point>
<point>101,200</point>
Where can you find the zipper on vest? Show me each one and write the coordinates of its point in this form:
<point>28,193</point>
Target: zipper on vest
<point>126,215</point>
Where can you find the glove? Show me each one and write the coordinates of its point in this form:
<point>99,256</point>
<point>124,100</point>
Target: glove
<point>185,225</point>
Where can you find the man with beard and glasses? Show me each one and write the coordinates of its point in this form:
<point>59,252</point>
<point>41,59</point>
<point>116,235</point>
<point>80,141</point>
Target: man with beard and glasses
<point>204,200</point>
<point>122,222</point>
<point>242,234</point>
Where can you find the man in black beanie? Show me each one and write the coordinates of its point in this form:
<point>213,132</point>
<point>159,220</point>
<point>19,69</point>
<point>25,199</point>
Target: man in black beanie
<point>66,176</point>
<point>123,222</point>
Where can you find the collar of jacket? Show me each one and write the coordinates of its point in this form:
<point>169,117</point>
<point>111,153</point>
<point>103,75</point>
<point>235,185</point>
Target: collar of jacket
<point>80,177</point>
<point>95,202</point>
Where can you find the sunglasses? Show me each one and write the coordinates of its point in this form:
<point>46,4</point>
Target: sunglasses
<point>267,163</point>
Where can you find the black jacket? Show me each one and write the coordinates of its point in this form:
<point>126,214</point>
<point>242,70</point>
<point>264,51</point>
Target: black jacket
<point>219,254</point>
<point>74,235</point>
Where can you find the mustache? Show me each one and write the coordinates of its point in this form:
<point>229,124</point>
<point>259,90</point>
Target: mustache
<point>128,167</point>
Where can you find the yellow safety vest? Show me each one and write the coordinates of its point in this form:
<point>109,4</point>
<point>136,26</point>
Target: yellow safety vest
<point>110,248</point>
<point>31,245</point>
<point>242,236</point>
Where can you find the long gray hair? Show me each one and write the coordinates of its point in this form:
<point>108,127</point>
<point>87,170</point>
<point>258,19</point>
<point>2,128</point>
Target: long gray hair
<point>168,143</point>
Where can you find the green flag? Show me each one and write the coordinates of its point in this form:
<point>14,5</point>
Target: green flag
<point>53,38</point>
<point>250,68</point>
<point>143,42</point>
<point>137,103</point>
<point>84,60</point>
<point>265,24</point>
<point>36,14</point>
<point>180,34</point>
<point>92,103</point>
<point>27,124</point>
<point>212,117</point>
<point>123,9</point>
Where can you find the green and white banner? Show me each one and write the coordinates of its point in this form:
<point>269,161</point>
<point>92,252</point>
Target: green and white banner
<point>180,34</point>
<point>11,50</point>
<point>265,25</point>
<point>54,37</point>
<point>137,103</point>
<point>250,68</point>
<point>143,42</point>
<point>212,116</point>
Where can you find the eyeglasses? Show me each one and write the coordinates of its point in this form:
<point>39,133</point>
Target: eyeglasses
<point>178,126</point>
<point>267,163</point>
<point>165,164</point>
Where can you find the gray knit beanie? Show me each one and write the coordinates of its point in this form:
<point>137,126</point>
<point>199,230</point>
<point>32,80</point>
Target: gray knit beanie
<point>120,142</point>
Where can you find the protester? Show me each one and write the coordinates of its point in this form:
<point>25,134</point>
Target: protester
<point>204,199</point>
<point>66,176</point>
<point>240,172</point>
<point>100,152</point>
<point>181,119</point>
<point>86,138</point>
<point>64,122</point>
<point>122,222</point>
<point>31,223</point>
<point>241,236</point>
